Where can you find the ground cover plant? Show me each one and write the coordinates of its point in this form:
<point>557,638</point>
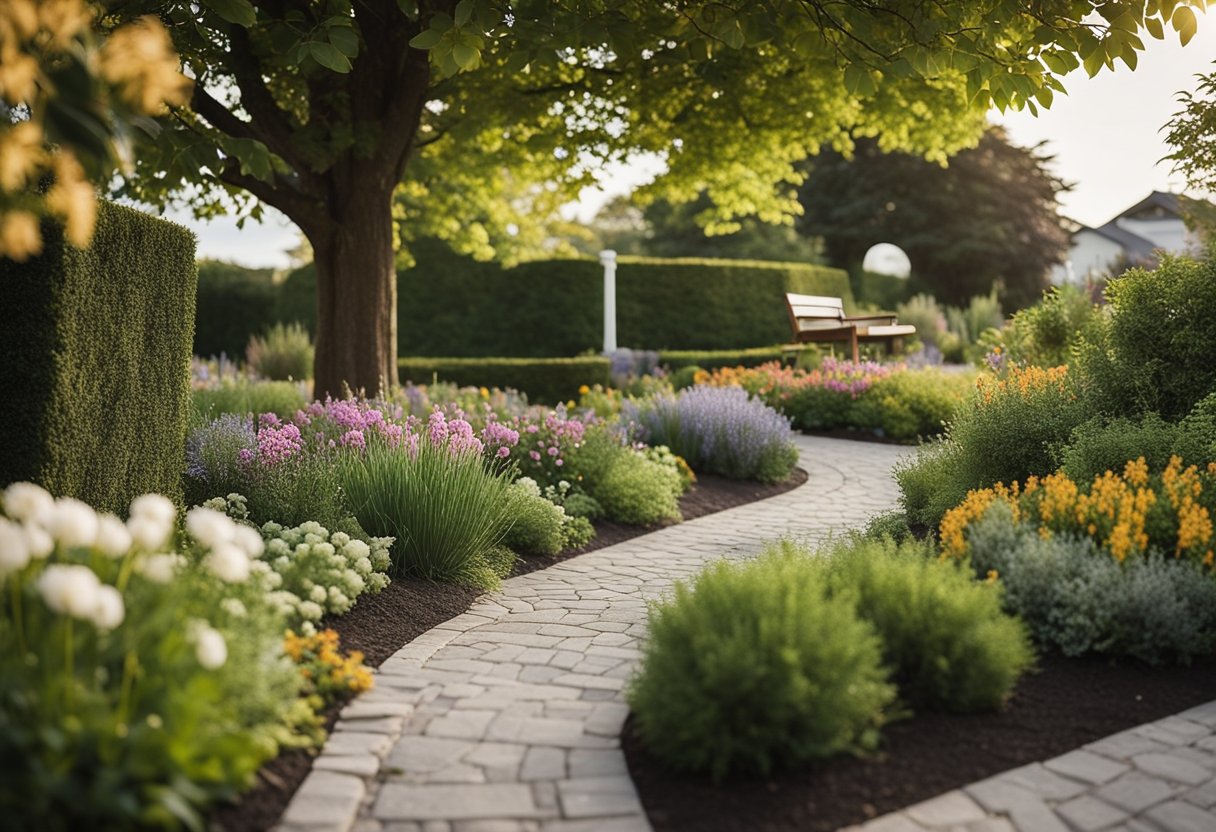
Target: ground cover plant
<point>144,671</point>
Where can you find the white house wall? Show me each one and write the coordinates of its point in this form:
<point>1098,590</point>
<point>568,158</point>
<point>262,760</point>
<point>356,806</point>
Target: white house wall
<point>1168,234</point>
<point>1091,254</point>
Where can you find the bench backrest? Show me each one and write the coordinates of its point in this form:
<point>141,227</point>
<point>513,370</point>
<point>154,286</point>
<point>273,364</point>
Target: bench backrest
<point>809,312</point>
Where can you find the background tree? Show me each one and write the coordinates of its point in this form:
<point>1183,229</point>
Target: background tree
<point>322,108</point>
<point>664,229</point>
<point>991,216</point>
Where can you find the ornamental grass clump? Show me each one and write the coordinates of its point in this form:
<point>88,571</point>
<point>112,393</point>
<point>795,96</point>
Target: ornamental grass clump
<point>754,666</point>
<point>142,674</point>
<point>437,495</point>
<point>719,430</point>
<point>284,353</point>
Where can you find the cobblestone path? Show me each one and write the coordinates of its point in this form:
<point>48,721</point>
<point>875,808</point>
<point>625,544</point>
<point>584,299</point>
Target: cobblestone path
<point>507,718</point>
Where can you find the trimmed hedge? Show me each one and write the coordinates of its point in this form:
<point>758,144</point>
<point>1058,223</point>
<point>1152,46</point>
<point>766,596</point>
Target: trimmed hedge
<point>96,346</point>
<point>675,360</point>
<point>883,291</point>
<point>454,305</point>
<point>234,303</point>
<point>548,380</point>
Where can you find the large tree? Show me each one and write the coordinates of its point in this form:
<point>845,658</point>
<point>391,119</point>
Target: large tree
<point>324,108</point>
<point>990,216</point>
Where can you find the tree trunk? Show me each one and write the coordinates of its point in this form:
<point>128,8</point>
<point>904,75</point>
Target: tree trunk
<point>356,296</point>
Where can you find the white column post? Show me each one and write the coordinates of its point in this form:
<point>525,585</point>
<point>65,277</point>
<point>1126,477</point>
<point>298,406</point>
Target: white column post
<point>608,258</point>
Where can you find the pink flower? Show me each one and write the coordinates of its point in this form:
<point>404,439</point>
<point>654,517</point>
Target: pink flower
<point>504,452</point>
<point>535,456</point>
<point>353,439</point>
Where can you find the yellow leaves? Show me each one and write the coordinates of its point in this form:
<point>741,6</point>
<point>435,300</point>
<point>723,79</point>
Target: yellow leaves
<point>72,198</point>
<point>138,59</point>
<point>21,154</point>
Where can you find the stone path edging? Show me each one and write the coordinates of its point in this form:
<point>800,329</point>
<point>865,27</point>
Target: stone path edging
<point>507,718</point>
<point>1158,777</point>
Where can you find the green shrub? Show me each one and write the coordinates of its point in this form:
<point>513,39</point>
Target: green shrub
<point>284,353</point>
<point>1099,445</point>
<point>981,314</point>
<point>753,666</point>
<point>881,291</point>
<point>685,377</point>
<point>1197,432</point>
<point>945,636</point>
<point>892,524</point>
<point>1081,600</point>
<point>1155,354</point>
<point>1047,333</point>
<point>931,482</point>
<point>911,404</point>
<point>538,525</point>
<point>454,305</point>
<point>548,380</point>
<point>577,532</point>
<point>637,492</point>
<point>447,512</point>
<point>96,345</point>
<point>923,312</point>
<point>282,398</point>
<point>234,304</point>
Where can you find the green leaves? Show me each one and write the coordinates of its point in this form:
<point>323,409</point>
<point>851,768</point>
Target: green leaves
<point>239,12</point>
<point>454,43</point>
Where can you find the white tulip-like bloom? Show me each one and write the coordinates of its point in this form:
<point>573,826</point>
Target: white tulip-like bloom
<point>229,563</point>
<point>14,547</point>
<point>159,569</point>
<point>209,527</point>
<point>70,590</point>
<point>149,533</point>
<point>113,539</point>
<point>155,507</point>
<point>39,541</point>
<point>72,523</point>
<point>109,611</point>
<point>209,647</point>
<point>28,502</point>
<point>249,540</point>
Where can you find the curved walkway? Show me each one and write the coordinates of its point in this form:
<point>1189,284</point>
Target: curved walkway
<point>507,718</point>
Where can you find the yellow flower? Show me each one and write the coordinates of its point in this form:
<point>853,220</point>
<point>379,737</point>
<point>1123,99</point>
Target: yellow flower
<point>20,237</point>
<point>583,390</point>
<point>139,60</point>
<point>484,392</point>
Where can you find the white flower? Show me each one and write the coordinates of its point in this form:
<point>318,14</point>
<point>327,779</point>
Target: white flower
<point>311,611</point>
<point>28,502</point>
<point>274,580</point>
<point>354,581</point>
<point>259,567</point>
<point>307,629</point>
<point>228,563</point>
<point>72,523</point>
<point>318,594</point>
<point>39,542</point>
<point>209,647</point>
<point>233,607</point>
<point>113,539</point>
<point>209,527</point>
<point>363,566</point>
<point>14,547</point>
<point>149,533</point>
<point>70,590</point>
<point>249,540</point>
<point>356,549</point>
<point>108,611</point>
<point>155,507</point>
<point>159,569</point>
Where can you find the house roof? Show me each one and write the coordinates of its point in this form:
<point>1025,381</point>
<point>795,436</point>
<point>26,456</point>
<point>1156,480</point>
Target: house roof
<point>1157,199</point>
<point>1136,246</point>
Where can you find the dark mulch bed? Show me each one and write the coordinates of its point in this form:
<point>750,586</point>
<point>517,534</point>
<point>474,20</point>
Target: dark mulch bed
<point>1069,702</point>
<point>380,624</point>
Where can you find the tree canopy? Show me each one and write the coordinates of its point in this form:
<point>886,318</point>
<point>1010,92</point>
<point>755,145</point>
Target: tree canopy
<point>322,108</point>
<point>990,216</point>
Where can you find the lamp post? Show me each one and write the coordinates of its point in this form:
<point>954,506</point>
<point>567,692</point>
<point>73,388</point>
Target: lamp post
<point>608,259</point>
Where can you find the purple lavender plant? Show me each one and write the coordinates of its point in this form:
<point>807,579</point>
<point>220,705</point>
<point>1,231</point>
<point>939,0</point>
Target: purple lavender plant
<point>213,452</point>
<point>718,430</point>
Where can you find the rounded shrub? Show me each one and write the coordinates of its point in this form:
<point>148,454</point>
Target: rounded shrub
<point>638,492</point>
<point>537,524</point>
<point>753,666</point>
<point>945,636</point>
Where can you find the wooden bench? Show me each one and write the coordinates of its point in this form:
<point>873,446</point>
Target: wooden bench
<point>815,318</point>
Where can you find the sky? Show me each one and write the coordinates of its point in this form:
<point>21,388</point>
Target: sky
<point>1105,134</point>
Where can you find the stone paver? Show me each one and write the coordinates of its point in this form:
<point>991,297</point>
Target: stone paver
<point>507,718</point>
